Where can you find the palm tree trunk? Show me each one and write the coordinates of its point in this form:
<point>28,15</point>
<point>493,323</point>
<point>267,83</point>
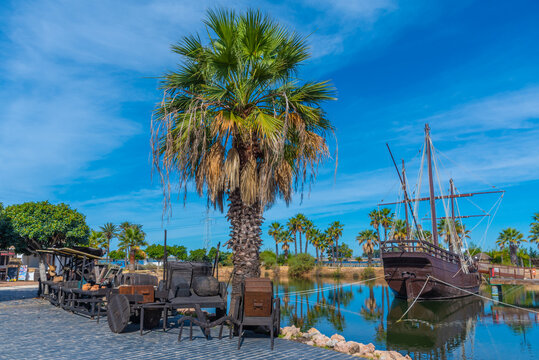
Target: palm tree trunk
<point>295,244</point>
<point>317,257</point>
<point>306,243</point>
<point>300,246</point>
<point>337,250</point>
<point>108,250</point>
<point>379,242</point>
<point>276,251</point>
<point>245,222</point>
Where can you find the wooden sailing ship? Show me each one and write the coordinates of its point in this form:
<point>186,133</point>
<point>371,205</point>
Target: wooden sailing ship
<point>417,266</point>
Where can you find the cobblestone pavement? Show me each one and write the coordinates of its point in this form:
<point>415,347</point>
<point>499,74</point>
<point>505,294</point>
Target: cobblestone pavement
<point>34,329</point>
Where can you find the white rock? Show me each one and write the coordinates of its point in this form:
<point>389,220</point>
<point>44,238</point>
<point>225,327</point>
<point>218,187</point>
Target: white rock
<point>337,337</point>
<point>342,346</point>
<point>310,342</point>
<point>382,355</point>
<point>353,347</point>
<point>313,331</point>
<point>320,340</point>
<point>331,343</point>
<point>290,331</point>
<point>366,350</point>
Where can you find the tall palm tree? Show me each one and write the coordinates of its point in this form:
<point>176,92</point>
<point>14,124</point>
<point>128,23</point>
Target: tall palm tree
<point>109,231</point>
<point>386,220</point>
<point>316,238</point>
<point>445,227</point>
<point>96,239</point>
<point>367,238</point>
<point>285,238</point>
<point>328,242</point>
<point>534,229</point>
<point>237,121</point>
<point>307,227</point>
<point>336,232</point>
<point>301,229</point>
<point>131,240</point>
<point>294,226</point>
<point>513,238</point>
<point>274,230</point>
<point>376,221</point>
<point>400,230</point>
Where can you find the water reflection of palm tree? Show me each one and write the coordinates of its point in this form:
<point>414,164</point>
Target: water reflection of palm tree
<point>327,306</point>
<point>370,311</point>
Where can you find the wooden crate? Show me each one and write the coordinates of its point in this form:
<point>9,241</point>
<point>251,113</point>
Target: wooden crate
<point>258,297</point>
<point>147,292</point>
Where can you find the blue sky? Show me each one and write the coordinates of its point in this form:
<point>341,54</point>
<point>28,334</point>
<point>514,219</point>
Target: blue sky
<point>78,85</point>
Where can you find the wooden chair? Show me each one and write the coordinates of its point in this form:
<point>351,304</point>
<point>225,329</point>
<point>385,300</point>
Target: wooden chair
<point>257,306</point>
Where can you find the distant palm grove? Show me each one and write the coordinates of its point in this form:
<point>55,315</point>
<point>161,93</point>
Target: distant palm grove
<point>29,227</point>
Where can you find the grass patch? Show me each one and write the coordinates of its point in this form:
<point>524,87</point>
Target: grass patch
<point>368,273</point>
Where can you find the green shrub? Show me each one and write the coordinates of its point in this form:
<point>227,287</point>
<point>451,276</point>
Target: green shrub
<point>355,276</point>
<point>337,274</point>
<point>300,265</point>
<point>268,259</point>
<point>227,260</point>
<point>283,260</point>
<point>368,273</point>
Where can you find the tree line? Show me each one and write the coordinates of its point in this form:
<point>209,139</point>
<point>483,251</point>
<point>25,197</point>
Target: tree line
<point>323,241</point>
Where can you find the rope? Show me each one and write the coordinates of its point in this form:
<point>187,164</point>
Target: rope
<point>417,297</point>
<point>486,298</point>
<point>331,287</point>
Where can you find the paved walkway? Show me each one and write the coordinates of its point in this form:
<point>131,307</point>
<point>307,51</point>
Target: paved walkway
<point>34,329</point>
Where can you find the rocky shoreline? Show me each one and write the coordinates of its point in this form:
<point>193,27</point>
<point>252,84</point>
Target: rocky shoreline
<point>338,343</point>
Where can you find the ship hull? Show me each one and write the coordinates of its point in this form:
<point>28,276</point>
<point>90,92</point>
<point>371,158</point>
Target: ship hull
<point>407,274</point>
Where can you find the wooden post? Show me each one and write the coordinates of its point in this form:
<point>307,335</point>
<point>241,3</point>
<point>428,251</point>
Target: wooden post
<point>165,260</point>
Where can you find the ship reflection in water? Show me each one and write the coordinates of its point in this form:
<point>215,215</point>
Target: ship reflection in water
<point>432,328</point>
<point>464,328</point>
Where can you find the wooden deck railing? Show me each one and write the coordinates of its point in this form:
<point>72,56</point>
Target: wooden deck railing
<point>419,246</point>
<point>507,271</point>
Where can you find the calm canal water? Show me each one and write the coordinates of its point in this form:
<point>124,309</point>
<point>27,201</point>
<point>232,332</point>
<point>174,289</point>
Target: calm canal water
<point>467,328</point>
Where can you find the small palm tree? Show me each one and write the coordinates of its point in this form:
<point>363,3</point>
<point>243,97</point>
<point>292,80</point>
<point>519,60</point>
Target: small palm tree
<point>400,231</point>
<point>295,226</point>
<point>285,238</point>
<point>376,221</point>
<point>313,236</point>
<point>109,231</point>
<point>328,242</point>
<point>336,229</point>
<point>132,239</point>
<point>307,227</point>
<point>274,230</point>
<point>386,220</point>
<point>513,238</point>
<point>96,239</point>
<point>534,230</point>
<point>367,238</point>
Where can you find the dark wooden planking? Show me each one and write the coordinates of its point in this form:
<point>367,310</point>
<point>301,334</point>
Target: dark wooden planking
<point>118,313</point>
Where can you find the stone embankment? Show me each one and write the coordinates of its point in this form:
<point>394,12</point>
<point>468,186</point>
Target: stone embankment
<point>338,343</point>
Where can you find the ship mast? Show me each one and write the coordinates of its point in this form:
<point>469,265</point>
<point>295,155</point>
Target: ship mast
<point>405,200</point>
<point>431,187</point>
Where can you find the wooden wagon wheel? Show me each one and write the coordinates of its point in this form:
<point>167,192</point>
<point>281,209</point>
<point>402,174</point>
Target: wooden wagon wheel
<point>118,313</point>
<point>151,318</point>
